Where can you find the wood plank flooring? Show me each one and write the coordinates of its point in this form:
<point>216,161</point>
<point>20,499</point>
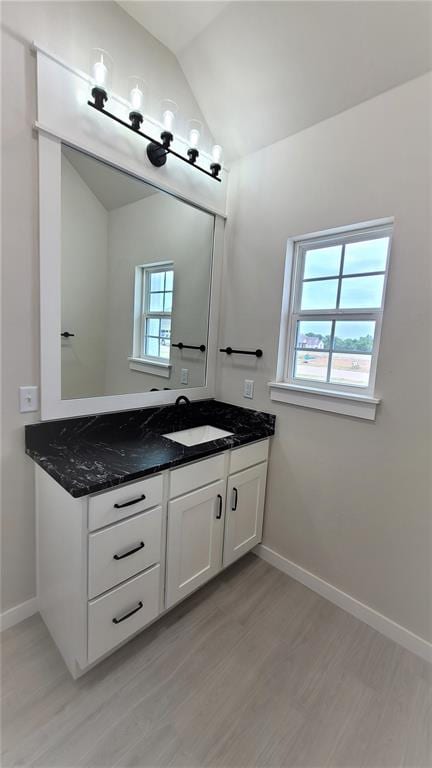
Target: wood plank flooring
<point>252,670</point>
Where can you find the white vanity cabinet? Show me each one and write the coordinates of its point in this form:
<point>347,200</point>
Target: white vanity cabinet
<point>195,540</point>
<point>109,564</point>
<point>245,510</point>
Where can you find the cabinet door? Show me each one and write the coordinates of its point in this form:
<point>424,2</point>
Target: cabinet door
<point>244,514</point>
<point>195,537</point>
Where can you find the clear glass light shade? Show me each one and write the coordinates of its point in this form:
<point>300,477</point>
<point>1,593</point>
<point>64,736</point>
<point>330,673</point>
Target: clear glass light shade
<point>101,68</point>
<point>169,110</point>
<point>217,154</point>
<point>137,90</point>
<point>194,133</point>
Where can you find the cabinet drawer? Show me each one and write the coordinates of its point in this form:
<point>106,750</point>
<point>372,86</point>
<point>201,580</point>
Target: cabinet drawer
<point>248,455</point>
<point>122,612</point>
<point>112,506</point>
<point>196,475</point>
<point>122,550</point>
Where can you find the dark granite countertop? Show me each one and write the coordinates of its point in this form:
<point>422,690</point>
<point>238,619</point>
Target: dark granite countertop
<point>91,453</point>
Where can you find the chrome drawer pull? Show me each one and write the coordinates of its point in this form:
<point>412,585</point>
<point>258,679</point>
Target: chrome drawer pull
<point>130,552</point>
<point>129,503</point>
<point>127,615</point>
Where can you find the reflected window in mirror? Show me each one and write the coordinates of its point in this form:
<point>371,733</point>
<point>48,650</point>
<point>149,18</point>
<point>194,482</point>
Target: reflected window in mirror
<point>136,270</point>
<point>154,288</point>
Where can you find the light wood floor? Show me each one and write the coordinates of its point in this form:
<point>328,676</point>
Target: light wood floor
<point>253,670</point>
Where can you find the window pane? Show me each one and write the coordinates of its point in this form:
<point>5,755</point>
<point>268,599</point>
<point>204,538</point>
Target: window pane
<point>152,346</point>
<point>165,349</point>
<point>157,281</point>
<point>169,280</point>
<point>165,341</point>
<point>322,262</point>
<point>350,369</point>
<point>319,295</point>
<point>353,336</point>
<point>311,365</point>
<point>165,326</point>
<point>152,326</point>
<point>368,256</point>
<point>168,302</point>
<point>359,292</point>
<point>313,335</point>
<point>156,302</point>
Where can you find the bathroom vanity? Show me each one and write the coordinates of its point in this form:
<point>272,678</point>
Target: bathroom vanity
<point>140,501</point>
<point>131,521</point>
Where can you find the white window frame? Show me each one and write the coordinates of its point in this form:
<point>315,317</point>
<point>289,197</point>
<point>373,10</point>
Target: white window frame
<point>139,361</point>
<point>340,398</point>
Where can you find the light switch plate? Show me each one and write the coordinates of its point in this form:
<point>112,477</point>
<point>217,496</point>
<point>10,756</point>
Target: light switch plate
<point>28,399</point>
<point>184,377</point>
<point>248,389</point>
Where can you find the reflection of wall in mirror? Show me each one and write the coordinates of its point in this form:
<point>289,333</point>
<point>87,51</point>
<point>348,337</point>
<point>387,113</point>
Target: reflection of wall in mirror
<point>158,228</point>
<point>103,241</point>
<point>84,272</point>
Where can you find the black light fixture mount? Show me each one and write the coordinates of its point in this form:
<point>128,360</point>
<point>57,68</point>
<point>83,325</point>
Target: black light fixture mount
<point>136,119</point>
<point>192,154</point>
<point>100,97</point>
<point>215,169</point>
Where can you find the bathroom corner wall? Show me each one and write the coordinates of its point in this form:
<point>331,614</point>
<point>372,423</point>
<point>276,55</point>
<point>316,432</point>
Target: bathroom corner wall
<point>348,500</point>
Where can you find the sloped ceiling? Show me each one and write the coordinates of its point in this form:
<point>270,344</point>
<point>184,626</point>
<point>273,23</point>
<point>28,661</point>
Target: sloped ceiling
<point>176,23</point>
<point>262,71</point>
<point>112,188</point>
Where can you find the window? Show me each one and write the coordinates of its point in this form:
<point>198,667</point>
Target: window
<point>334,293</point>
<point>154,286</point>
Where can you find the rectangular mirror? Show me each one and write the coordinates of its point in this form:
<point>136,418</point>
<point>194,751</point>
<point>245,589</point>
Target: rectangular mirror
<point>136,266</point>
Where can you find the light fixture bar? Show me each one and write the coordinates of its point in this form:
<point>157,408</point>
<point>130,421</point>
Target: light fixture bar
<point>166,149</point>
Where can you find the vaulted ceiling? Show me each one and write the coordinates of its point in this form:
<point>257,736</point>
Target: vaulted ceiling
<point>264,70</point>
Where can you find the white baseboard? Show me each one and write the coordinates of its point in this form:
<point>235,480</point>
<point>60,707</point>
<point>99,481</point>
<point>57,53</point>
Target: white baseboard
<point>18,613</point>
<point>361,611</point>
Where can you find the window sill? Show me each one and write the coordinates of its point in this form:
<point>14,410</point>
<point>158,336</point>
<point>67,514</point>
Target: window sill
<point>154,367</point>
<point>348,403</point>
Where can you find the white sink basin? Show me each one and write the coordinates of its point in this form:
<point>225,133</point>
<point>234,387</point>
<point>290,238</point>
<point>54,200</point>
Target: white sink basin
<point>197,435</point>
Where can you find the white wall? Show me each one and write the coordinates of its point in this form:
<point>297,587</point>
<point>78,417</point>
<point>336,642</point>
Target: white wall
<point>84,284</point>
<point>69,29</point>
<point>158,228</point>
<point>348,500</point>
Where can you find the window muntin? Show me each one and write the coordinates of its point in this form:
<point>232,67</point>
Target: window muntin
<point>338,289</point>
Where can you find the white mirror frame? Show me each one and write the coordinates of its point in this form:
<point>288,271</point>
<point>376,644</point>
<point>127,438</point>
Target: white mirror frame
<point>52,405</point>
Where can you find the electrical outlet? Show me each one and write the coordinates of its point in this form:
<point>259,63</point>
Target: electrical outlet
<point>248,388</point>
<point>28,399</point>
<point>184,376</point>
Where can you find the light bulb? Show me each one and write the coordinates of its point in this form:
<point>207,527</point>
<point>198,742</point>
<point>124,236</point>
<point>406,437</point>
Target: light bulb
<point>136,98</point>
<point>194,132</point>
<point>168,120</point>
<point>101,68</point>
<point>168,110</point>
<point>137,88</point>
<point>194,138</point>
<point>217,154</point>
<point>100,72</point>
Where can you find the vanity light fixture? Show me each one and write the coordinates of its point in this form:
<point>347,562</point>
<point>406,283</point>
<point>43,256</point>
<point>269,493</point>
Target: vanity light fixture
<point>194,133</point>
<point>137,93</point>
<point>157,151</point>
<point>101,66</point>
